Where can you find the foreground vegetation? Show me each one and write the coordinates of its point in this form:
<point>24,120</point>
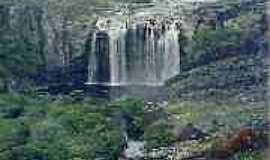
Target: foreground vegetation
<point>49,128</point>
<point>42,128</point>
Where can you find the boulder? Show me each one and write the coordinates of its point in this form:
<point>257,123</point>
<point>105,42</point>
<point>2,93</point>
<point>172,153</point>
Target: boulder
<point>190,132</point>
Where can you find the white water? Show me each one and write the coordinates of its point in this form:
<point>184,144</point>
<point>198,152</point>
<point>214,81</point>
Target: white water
<point>143,48</point>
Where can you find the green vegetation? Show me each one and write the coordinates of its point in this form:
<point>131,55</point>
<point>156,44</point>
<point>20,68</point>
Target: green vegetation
<point>39,128</point>
<point>248,156</point>
<point>222,116</point>
<point>158,134</point>
<point>240,35</point>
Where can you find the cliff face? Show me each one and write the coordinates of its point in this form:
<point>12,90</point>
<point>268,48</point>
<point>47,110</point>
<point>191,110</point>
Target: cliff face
<point>33,41</point>
<point>59,35</point>
<point>26,26</point>
<point>66,40</point>
<point>23,42</point>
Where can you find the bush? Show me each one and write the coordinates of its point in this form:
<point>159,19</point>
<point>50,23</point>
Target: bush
<point>158,134</point>
<point>62,129</point>
<point>13,134</point>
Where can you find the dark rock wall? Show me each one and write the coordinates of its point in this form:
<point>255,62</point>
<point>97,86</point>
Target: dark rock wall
<point>51,46</point>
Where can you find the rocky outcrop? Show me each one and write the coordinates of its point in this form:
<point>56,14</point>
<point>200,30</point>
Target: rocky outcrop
<point>49,44</point>
<point>66,40</point>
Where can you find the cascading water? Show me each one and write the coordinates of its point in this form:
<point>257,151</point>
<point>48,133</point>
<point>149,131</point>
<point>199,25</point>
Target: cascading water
<point>139,50</point>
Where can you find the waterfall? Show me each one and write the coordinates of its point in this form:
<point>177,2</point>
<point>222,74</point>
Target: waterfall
<point>92,61</point>
<point>117,56</point>
<point>171,53</point>
<point>145,52</point>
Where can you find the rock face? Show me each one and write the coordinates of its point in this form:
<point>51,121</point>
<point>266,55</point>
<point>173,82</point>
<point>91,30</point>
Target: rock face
<point>25,26</point>
<point>190,132</point>
<point>30,23</point>
<point>66,40</point>
<point>53,43</point>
